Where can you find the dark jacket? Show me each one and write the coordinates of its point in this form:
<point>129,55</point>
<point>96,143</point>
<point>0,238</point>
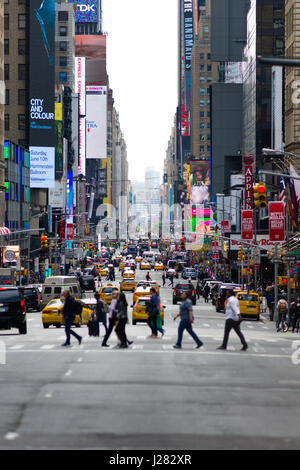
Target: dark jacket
<point>121,311</point>
<point>69,308</point>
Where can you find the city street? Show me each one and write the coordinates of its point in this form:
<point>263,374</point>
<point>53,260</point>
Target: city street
<point>150,395</point>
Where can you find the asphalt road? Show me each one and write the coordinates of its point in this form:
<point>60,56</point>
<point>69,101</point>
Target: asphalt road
<point>150,396</point>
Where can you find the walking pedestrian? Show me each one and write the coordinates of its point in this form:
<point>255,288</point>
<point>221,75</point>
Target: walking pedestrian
<point>69,314</point>
<point>153,310</point>
<point>206,293</point>
<point>122,319</point>
<point>101,311</point>
<point>112,314</point>
<point>296,316</point>
<point>171,279</point>
<point>198,290</point>
<point>148,277</point>
<point>186,321</point>
<point>282,307</point>
<point>232,316</point>
<point>164,279</point>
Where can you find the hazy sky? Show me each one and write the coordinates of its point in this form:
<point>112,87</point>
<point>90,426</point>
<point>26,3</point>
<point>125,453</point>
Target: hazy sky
<point>142,68</point>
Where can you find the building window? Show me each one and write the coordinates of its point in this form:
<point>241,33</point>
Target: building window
<point>202,136</point>
<point>6,71</point>
<point>209,79</point>
<point>6,96</point>
<point>63,61</point>
<point>205,28</point>
<point>202,79</point>
<point>202,102</point>
<point>202,125</point>
<point>6,22</point>
<point>6,46</point>
<point>21,72</point>
<point>201,114</point>
<point>21,46</point>
<point>21,122</point>
<point>63,77</point>
<point>21,21</point>
<point>63,16</point>
<point>201,56</point>
<point>201,68</point>
<point>201,148</point>
<point>209,68</point>
<point>6,122</point>
<point>63,31</point>
<point>202,91</point>
<point>21,97</point>
<point>63,46</point>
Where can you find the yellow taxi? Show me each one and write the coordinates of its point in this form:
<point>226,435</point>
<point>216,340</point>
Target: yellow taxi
<point>128,274</point>
<point>121,265</point>
<point>138,259</point>
<point>159,266</point>
<point>249,304</point>
<point>106,293</point>
<point>145,265</point>
<point>139,313</point>
<point>128,285</point>
<point>103,271</point>
<point>52,314</point>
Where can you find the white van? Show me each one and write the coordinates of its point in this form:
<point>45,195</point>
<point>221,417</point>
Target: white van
<point>54,287</point>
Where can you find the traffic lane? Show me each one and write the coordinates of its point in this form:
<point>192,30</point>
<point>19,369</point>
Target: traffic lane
<point>168,396</point>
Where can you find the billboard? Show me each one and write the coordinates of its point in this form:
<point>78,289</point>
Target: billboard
<point>277,221</point>
<point>57,195</point>
<point>96,125</point>
<point>87,11</point>
<point>41,91</point>
<point>93,48</point>
<point>247,224</point>
<point>199,182</point>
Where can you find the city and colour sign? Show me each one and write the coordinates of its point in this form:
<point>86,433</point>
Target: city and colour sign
<point>277,221</point>
<point>247,225</point>
<point>41,91</point>
<point>87,11</point>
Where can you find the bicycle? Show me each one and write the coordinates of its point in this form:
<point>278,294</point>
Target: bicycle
<point>283,325</point>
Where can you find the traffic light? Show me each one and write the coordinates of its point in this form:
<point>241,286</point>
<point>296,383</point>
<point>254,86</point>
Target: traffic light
<point>44,241</point>
<point>260,195</point>
<point>182,243</point>
<point>240,253</point>
<point>282,281</point>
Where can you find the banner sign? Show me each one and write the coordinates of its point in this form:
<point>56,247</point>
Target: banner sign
<point>277,221</point>
<point>247,225</point>
<point>248,161</point>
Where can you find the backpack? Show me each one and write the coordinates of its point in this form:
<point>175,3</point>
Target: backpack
<point>77,308</point>
<point>282,307</point>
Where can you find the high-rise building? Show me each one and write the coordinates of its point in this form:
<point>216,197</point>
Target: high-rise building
<point>16,72</point>
<point>65,44</point>
<point>2,100</point>
<point>204,73</point>
<point>292,113</point>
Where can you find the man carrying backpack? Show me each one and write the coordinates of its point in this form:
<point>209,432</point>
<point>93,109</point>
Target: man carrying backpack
<point>282,308</point>
<point>69,314</point>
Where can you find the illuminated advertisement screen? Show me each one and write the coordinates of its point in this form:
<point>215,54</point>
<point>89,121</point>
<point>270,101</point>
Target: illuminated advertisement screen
<point>93,48</point>
<point>87,11</point>
<point>199,182</point>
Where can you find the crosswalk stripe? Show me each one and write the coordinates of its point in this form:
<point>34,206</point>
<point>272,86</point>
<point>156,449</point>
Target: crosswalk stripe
<point>17,346</point>
<point>48,346</point>
<point>138,346</point>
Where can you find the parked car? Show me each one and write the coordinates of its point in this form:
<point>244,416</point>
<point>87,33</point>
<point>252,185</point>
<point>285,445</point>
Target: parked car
<point>12,310</point>
<point>184,287</point>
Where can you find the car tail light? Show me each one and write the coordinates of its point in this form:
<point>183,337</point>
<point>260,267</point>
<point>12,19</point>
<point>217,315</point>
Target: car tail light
<point>193,292</point>
<point>174,291</point>
<point>22,305</point>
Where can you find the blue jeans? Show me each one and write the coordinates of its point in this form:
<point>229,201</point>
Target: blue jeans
<point>281,316</point>
<point>186,325</point>
<point>101,319</point>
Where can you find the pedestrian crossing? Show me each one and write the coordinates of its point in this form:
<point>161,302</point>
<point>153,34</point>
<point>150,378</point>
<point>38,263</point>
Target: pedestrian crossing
<point>143,343</point>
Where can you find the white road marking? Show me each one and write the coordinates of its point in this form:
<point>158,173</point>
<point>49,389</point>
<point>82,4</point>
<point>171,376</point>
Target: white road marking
<point>17,346</point>
<point>138,346</point>
<point>231,348</point>
<point>67,374</point>
<point>142,337</point>
<point>79,359</point>
<point>205,324</point>
<point>10,436</point>
<point>48,346</point>
<point>48,395</point>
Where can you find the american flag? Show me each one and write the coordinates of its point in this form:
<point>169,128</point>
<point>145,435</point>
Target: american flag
<point>281,189</point>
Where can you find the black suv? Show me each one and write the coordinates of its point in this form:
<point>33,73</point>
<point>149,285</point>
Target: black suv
<point>87,282</point>
<point>12,310</point>
<point>31,297</point>
<point>182,287</point>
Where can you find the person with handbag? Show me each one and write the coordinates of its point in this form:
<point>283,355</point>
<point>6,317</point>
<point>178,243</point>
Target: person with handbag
<point>233,321</point>
<point>153,310</point>
<point>69,313</point>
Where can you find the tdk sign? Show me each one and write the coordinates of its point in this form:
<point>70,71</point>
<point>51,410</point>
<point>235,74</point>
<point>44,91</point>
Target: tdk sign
<point>87,11</point>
